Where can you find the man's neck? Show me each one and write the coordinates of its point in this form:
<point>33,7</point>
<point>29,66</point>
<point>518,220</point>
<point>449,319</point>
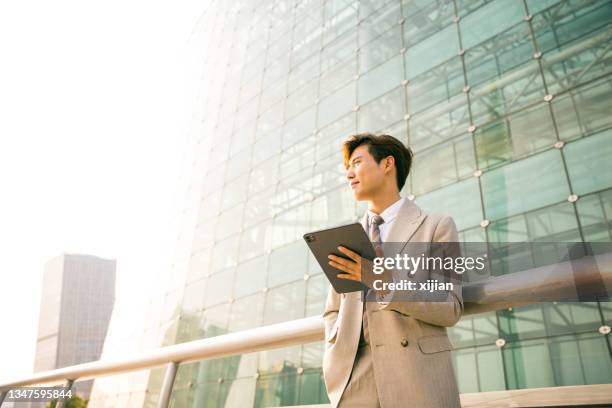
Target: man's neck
<point>382,203</point>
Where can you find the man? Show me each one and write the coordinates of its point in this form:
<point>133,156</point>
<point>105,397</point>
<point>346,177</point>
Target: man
<point>388,353</point>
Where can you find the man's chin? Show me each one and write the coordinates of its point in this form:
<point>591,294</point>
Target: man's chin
<point>359,196</point>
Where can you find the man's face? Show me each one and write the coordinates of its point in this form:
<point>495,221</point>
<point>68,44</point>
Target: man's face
<point>364,175</point>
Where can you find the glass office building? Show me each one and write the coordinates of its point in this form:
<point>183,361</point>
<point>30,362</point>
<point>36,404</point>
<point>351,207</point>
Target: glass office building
<point>507,105</point>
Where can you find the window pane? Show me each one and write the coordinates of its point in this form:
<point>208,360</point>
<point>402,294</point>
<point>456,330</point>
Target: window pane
<point>516,136</point>
<point>589,163</point>
<point>288,227</point>
<point>536,6</point>
<point>338,22</point>
<point>528,364</point>
<point>276,390</point>
<point>250,276</point>
<point>298,127</point>
<point>236,393</point>
<point>556,223</point>
<point>425,19</point>
<point>524,185</point>
<point>287,264</point>
<point>228,222</point>
<point>580,61</point>
<point>499,54</point>
<point>442,165</point>
<point>253,241</point>
<point>581,359</point>
<point>595,212</point>
<point>378,19</point>
<point>317,288</point>
<point>246,313</point>
<point>432,51</point>
<point>584,111</point>
<point>574,317</point>
<point>301,99</point>
<point>193,297</point>
<point>490,20</point>
<point>339,50</point>
<point>460,200</point>
<point>219,288</point>
<point>464,364</point>
<point>383,111</point>
<point>261,176</point>
<point>435,85</point>
<point>510,92</point>
<point>337,205</point>
<point>569,21</point>
<point>439,123</point>
<point>215,320</point>
<point>380,49</point>
<point>312,388</point>
<point>225,254</point>
<point>380,80</point>
<point>490,372</point>
<point>522,323</point>
<point>285,303</point>
<point>337,77</point>
<point>336,105</point>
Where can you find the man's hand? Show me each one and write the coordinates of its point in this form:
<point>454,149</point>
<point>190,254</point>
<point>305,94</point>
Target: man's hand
<point>358,269</point>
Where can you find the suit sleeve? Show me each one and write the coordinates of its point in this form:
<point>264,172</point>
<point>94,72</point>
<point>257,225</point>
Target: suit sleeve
<point>332,308</point>
<point>447,308</point>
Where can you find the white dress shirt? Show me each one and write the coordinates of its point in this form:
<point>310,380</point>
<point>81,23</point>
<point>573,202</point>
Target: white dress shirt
<point>388,216</point>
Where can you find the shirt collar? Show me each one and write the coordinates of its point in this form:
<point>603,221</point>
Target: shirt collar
<point>390,212</point>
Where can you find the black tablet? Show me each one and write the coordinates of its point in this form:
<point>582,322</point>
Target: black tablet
<point>325,242</point>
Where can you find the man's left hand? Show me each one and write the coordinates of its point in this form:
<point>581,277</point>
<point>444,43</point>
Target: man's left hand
<point>357,268</point>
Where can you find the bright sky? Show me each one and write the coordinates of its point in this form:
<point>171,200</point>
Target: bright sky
<point>96,106</point>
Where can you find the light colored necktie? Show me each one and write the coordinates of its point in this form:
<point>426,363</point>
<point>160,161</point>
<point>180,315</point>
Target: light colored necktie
<point>374,232</point>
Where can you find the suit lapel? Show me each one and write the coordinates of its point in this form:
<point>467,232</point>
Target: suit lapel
<point>408,219</point>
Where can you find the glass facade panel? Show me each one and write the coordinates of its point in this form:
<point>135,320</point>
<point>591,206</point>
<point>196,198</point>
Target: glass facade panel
<point>584,110</point>
<point>336,105</point>
<point>529,363</point>
<point>452,200</point>
<point>589,164</point>
<point>489,20</point>
<point>442,165</point>
<point>379,49</point>
<point>514,137</point>
<point>435,86</point>
<point>490,59</point>
<point>595,213</point>
<point>380,80</point>
<point>285,303</point>
<point>382,112</point>
<point>524,185</point>
<point>439,123</point>
<point>432,51</point>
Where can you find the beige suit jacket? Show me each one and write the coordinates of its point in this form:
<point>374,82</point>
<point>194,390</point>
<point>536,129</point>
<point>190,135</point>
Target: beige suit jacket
<point>410,346</point>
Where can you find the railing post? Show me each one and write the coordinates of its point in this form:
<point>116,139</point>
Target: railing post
<point>166,389</point>
<point>60,402</point>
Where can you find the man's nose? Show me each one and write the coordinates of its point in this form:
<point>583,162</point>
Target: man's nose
<point>350,175</point>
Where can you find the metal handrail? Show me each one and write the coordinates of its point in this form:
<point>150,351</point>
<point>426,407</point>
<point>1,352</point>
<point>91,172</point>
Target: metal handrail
<point>491,294</point>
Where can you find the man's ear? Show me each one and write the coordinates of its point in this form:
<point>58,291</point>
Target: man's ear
<point>389,163</point>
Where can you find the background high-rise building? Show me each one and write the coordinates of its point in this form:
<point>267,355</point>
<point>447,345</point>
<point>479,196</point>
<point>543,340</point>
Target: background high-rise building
<point>77,302</point>
<point>507,106</point>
